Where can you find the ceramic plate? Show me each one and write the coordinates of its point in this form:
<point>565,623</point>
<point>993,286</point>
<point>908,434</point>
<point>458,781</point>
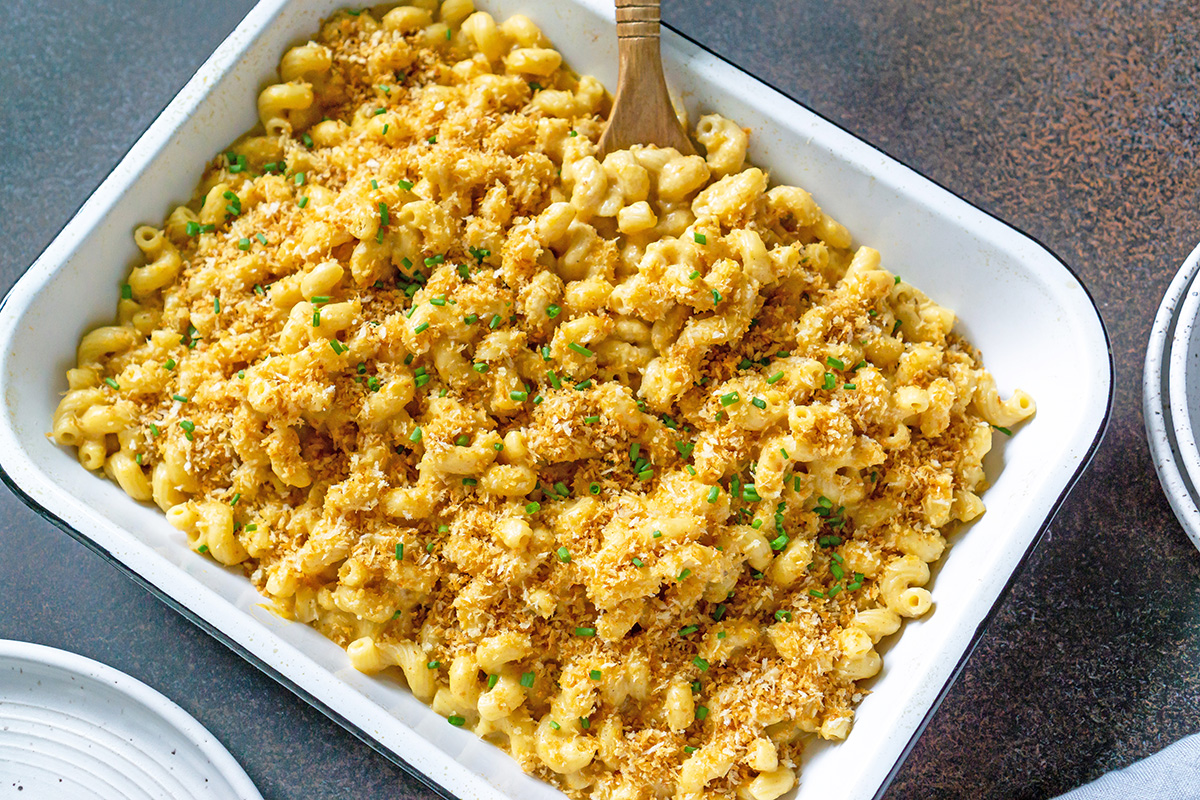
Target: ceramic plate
<point>1170,354</point>
<point>73,728</point>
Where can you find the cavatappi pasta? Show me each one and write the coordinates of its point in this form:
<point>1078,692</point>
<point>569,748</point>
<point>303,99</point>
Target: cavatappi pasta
<point>625,464</point>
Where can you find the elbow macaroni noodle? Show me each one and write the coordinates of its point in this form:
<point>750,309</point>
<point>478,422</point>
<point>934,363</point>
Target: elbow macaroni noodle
<point>626,464</point>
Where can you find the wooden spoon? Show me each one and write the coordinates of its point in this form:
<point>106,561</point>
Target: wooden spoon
<point>642,111</point>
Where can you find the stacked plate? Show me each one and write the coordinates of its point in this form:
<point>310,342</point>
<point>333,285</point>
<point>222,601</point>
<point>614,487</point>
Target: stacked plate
<point>73,728</point>
<point>1171,395</point>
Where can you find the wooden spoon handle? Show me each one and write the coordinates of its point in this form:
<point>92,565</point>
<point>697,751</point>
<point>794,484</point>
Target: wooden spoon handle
<point>642,111</point>
<point>638,19</point>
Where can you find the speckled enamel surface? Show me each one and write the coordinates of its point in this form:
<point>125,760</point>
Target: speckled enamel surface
<point>1077,122</point>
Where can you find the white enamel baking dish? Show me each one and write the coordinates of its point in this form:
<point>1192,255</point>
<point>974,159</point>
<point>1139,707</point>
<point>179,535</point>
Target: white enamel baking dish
<point>1031,317</point>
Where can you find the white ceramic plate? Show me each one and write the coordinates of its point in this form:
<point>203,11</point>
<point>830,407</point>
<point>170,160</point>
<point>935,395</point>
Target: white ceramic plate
<point>1165,395</point>
<point>73,728</point>
<point>1183,382</point>
<point>1018,303</point>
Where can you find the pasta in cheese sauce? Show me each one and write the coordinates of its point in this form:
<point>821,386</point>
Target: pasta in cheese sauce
<point>625,464</point>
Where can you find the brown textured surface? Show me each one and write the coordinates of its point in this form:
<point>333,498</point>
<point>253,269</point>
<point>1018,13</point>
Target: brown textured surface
<point>1078,124</point>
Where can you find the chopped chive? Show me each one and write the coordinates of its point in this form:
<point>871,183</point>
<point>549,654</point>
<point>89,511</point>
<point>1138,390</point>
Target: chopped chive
<point>585,631</point>
<point>416,435</point>
<point>783,615</point>
<point>405,185</point>
<point>153,429</point>
<point>592,420</point>
<point>637,562</point>
<point>897,279</point>
<point>594,488</point>
<point>896,327</point>
<point>701,663</point>
<point>555,725</point>
<point>701,712</point>
<point>492,681</point>
<point>573,133</point>
<point>495,322</point>
<point>645,474</point>
<point>533,507</point>
<point>780,542</point>
<point>730,398</point>
<point>527,680</point>
<point>595,675</point>
<point>685,448</point>
<point>758,523</point>
<point>687,748</point>
<point>776,377</point>
<point>433,665</point>
<point>554,381</point>
<point>700,238</point>
<point>693,274</point>
<point>683,576</point>
<point>714,493</point>
<point>656,535</point>
<point>582,385</point>
<point>1003,430</point>
<point>112,383</point>
<point>243,244</point>
<point>836,363</point>
<point>480,368</point>
<point>317,318</point>
<point>850,387</point>
<point>519,397</point>
<point>189,428</point>
<point>564,555</point>
<point>438,301</point>
<point>758,402</point>
<point>433,139</point>
<point>688,630</point>
<point>126,291</point>
<point>470,319</point>
<point>719,612</point>
<point>138,459</point>
<point>750,493</point>
<point>830,380</point>
<point>258,290</point>
<point>180,398</point>
<point>470,482</point>
<point>580,349</point>
<point>716,297</point>
<point>400,551</point>
<point>424,326</point>
<point>456,720</point>
<point>634,449</point>
<point>553,311</point>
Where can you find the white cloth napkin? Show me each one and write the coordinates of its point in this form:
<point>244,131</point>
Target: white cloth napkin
<point>1172,773</point>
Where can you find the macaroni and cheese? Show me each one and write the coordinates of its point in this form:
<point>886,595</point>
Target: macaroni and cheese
<point>625,464</point>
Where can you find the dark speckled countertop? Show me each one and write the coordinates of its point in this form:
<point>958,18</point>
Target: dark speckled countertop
<point>1078,122</point>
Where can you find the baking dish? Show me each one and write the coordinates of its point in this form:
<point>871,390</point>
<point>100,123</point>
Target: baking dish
<point>1019,304</point>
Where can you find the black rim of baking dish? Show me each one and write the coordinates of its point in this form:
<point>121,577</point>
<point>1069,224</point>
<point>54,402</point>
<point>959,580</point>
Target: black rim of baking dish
<point>429,782</point>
